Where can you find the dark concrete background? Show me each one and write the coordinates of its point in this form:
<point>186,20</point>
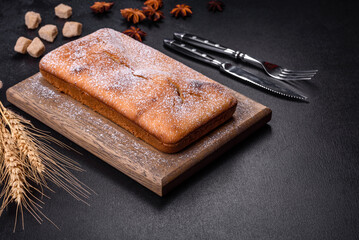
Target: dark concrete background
<point>296,178</point>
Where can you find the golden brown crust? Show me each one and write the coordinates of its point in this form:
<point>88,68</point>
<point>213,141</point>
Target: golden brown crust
<point>129,125</point>
<point>151,95</point>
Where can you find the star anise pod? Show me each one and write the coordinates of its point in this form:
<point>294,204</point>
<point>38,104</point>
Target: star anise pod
<point>101,7</point>
<point>133,14</point>
<point>152,14</point>
<point>135,33</point>
<point>215,5</point>
<point>155,4</point>
<point>181,9</point>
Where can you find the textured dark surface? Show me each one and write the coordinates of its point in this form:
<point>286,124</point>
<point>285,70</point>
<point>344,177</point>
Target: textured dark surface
<point>297,178</point>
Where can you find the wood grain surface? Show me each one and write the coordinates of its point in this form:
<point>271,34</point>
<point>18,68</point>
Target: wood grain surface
<point>157,171</point>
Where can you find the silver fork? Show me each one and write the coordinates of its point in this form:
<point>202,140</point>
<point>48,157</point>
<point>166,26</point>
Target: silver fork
<point>271,69</point>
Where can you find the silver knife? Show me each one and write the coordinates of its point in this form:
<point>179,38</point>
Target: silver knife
<point>273,86</point>
<point>271,69</point>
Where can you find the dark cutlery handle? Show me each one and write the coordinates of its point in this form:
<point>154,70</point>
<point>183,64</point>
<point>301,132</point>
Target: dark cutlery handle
<point>206,44</point>
<point>191,52</point>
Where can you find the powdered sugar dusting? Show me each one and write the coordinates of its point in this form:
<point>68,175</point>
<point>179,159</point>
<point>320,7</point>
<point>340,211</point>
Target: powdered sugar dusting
<point>163,96</point>
<point>93,125</point>
<point>101,136</point>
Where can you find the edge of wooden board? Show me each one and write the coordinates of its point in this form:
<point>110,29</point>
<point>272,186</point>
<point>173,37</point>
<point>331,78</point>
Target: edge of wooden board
<point>138,174</point>
<point>266,115</point>
<point>159,185</point>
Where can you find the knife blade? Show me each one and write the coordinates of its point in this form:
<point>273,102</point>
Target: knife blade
<point>273,86</point>
<point>270,85</point>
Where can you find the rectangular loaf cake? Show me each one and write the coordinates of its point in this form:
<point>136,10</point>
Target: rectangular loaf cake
<point>153,96</point>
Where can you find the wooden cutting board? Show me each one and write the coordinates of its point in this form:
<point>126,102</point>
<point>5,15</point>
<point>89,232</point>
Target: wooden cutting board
<point>155,170</point>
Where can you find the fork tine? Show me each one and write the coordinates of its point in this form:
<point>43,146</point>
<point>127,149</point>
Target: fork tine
<point>300,71</point>
<point>295,75</point>
<point>298,74</point>
<point>285,77</point>
<point>294,79</point>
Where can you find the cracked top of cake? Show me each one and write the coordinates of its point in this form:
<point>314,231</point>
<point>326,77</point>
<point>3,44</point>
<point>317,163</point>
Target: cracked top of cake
<point>166,98</point>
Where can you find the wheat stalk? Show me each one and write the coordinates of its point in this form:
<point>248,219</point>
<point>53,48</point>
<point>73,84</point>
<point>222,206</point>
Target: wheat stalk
<point>26,145</point>
<point>13,174</point>
<point>40,154</point>
<point>26,155</point>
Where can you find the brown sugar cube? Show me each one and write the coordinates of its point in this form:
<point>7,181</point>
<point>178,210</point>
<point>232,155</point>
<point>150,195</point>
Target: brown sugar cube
<point>32,20</point>
<point>48,32</point>
<point>36,48</point>
<point>72,29</point>
<point>63,11</point>
<point>21,45</point>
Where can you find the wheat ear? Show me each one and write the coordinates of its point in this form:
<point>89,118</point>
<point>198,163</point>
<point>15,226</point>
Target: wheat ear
<point>26,156</point>
<point>26,145</point>
<point>16,187</point>
<point>14,176</point>
<point>45,161</point>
